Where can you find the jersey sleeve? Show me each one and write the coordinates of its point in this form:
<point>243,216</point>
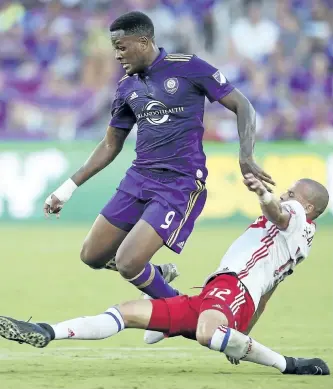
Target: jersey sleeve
<point>295,232</point>
<point>297,216</point>
<point>209,79</point>
<point>122,115</point>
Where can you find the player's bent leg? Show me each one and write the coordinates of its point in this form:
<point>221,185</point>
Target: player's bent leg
<point>216,323</point>
<point>213,332</point>
<point>132,261</point>
<point>220,313</point>
<point>141,243</point>
<point>101,244</point>
<point>243,348</point>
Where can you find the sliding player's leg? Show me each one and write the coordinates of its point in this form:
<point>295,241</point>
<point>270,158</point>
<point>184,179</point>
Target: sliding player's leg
<point>221,313</point>
<point>173,316</point>
<point>133,314</point>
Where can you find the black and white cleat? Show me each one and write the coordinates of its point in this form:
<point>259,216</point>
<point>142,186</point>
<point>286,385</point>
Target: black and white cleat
<point>24,332</point>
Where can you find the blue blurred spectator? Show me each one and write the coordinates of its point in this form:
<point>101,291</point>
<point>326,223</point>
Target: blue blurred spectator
<point>254,36</point>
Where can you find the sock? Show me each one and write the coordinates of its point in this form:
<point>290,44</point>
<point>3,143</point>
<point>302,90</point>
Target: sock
<point>88,327</point>
<point>242,347</point>
<point>151,282</point>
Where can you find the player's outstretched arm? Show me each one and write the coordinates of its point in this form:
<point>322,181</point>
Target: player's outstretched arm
<point>236,102</point>
<point>270,206</point>
<point>102,156</point>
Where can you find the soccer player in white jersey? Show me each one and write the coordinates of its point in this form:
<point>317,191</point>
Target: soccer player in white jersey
<point>233,297</point>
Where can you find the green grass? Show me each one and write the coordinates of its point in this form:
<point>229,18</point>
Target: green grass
<point>42,276</point>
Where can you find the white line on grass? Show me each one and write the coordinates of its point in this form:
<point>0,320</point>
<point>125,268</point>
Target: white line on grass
<point>124,352</point>
<point>154,348</point>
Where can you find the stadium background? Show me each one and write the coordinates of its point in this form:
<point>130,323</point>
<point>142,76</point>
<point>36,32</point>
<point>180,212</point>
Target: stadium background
<point>57,80</point>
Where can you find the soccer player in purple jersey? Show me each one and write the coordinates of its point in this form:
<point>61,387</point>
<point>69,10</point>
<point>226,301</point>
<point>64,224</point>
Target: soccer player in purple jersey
<point>163,191</point>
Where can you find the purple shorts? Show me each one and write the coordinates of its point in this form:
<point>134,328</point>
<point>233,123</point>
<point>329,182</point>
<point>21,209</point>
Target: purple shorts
<point>168,201</point>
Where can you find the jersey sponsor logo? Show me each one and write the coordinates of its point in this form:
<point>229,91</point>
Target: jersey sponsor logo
<point>133,96</point>
<point>171,85</point>
<point>157,113</point>
<point>219,77</point>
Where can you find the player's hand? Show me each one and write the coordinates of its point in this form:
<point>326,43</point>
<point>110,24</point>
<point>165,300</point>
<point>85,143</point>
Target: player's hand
<point>248,166</point>
<point>52,205</point>
<point>233,361</point>
<point>254,185</point>
<point>55,202</point>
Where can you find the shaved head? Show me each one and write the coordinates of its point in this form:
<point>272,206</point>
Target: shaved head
<point>315,193</point>
<point>313,196</point>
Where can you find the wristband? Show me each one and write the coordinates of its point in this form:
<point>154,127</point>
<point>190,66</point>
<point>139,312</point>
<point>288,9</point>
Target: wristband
<point>265,198</point>
<point>65,191</point>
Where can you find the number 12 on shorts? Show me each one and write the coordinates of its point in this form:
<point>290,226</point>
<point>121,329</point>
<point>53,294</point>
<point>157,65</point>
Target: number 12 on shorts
<point>218,293</point>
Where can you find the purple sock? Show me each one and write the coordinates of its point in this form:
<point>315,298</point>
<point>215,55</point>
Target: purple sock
<point>151,282</point>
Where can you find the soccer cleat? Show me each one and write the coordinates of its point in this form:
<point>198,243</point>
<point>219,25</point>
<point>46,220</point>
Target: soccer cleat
<point>24,332</point>
<point>169,273</point>
<point>303,366</point>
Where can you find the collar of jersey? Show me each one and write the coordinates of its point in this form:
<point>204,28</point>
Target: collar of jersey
<point>159,58</point>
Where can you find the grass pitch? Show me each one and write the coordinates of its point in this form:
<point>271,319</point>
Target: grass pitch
<point>42,277</point>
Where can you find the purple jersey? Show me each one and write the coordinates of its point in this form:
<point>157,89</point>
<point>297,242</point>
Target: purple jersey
<point>167,103</point>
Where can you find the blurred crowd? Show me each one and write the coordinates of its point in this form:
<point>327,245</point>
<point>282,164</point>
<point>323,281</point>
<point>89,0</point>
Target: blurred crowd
<point>58,74</point>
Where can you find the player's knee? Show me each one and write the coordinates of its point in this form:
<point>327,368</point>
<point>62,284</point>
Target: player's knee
<point>204,335</point>
<point>208,321</point>
<point>89,258</point>
<point>126,265</point>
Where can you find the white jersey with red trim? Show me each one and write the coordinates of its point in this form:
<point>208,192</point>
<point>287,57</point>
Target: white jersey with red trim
<point>264,255</point>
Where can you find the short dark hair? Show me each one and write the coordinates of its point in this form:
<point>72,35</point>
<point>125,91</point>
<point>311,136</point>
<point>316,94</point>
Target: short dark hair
<point>134,23</point>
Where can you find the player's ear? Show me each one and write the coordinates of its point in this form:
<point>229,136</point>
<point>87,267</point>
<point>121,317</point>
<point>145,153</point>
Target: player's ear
<point>309,208</point>
<point>143,40</point>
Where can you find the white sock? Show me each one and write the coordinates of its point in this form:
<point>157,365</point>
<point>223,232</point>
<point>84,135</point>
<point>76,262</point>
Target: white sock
<point>90,327</point>
<point>242,347</point>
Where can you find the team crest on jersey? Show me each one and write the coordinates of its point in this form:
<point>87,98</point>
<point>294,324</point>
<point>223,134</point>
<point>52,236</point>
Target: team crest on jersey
<point>171,85</point>
<point>219,77</point>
